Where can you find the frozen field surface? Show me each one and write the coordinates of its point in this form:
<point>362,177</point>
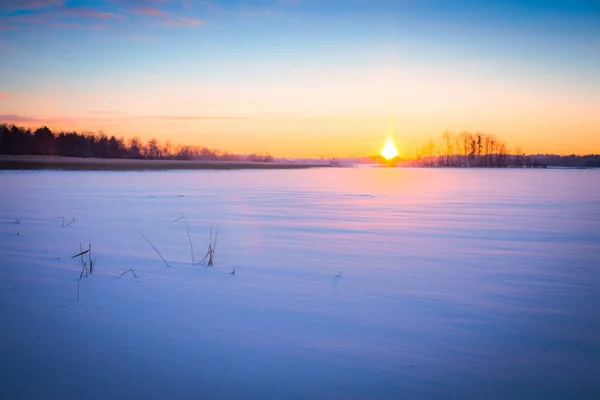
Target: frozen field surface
<point>455,284</point>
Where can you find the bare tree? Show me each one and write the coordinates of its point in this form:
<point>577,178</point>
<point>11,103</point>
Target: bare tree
<point>447,136</point>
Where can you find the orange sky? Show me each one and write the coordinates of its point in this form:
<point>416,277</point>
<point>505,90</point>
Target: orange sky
<point>330,118</point>
<point>301,79</point>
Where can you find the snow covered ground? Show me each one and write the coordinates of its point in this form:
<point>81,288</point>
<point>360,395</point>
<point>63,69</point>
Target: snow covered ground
<point>454,284</point>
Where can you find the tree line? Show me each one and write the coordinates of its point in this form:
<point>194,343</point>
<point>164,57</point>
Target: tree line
<point>16,140</point>
<point>482,150</point>
<point>465,149</point>
<point>571,161</point>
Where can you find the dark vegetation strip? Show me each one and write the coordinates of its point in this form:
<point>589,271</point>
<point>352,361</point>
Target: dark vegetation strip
<point>85,164</point>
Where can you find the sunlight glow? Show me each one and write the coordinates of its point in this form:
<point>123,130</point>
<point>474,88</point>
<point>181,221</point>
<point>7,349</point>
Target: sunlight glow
<point>389,151</point>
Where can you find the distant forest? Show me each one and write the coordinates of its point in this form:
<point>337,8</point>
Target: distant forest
<point>451,150</point>
<point>482,150</point>
<point>16,140</point>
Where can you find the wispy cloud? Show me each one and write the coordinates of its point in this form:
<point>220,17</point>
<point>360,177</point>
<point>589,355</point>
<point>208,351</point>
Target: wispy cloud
<point>239,12</point>
<point>42,3</point>
<point>60,120</point>
<point>15,119</point>
<point>63,14</point>
<point>195,117</point>
<point>61,17</point>
<point>89,13</point>
<point>167,18</point>
<point>108,116</point>
<point>28,4</point>
<point>183,21</point>
<point>50,21</point>
<point>142,3</point>
<point>151,12</point>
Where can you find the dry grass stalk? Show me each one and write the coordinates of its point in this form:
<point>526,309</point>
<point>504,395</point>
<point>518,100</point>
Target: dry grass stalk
<point>83,268</point>
<point>92,262</point>
<point>154,247</point>
<point>81,254</point>
<point>84,265</point>
<point>209,258</point>
<point>188,234</point>
<point>130,269</point>
<point>68,223</point>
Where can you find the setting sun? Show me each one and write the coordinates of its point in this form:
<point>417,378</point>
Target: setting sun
<point>389,151</point>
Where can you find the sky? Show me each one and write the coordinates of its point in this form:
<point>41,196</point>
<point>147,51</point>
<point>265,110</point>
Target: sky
<point>306,78</point>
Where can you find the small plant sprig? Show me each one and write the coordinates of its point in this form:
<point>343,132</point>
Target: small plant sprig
<point>209,258</point>
<point>182,216</point>
<point>153,246</point>
<point>84,265</point>
<point>70,223</point>
<point>129,270</point>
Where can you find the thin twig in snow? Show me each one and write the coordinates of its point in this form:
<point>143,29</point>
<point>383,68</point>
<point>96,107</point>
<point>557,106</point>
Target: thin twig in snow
<point>188,234</point>
<point>81,254</point>
<point>130,269</point>
<point>154,247</point>
<point>70,223</point>
<point>190,239</point>
<point>83,268</point>
<point>210,254</point>
<point>92,262</point>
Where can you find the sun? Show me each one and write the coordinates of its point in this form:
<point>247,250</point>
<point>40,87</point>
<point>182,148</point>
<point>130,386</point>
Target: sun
<point>389,151</point>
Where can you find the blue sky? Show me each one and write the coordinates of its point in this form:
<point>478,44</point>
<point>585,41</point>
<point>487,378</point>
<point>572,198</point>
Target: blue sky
<point>391,64</point>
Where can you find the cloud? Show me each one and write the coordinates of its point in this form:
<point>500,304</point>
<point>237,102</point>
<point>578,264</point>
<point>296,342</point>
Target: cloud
<point>89,13</point>
<point>183,21</point>
<point>33,4</point>
<point>107,116</point>
<point>195,117</point>
<point>60,120</point>
<point>151,12</point>
<point>64,14</point>
<point>18,118</point>
<point>246,11</point>
<point>60,17</point>
<point>141,3</point>
<point>167,19</point>
<point>29,4</point>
